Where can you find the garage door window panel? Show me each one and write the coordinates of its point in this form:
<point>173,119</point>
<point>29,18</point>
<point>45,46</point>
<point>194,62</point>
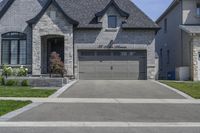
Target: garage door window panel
<point>103,53</point>
<point>87,53</point>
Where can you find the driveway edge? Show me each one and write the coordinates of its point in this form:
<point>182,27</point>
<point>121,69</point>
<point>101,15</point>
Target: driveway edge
<point>175,90</point>
<point>63,89</point>
<point>14,113</point>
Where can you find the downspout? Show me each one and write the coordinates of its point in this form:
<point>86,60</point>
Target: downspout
<point>191,57</point>
<point>31,28</point>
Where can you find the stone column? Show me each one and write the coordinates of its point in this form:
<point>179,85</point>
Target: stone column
<point>36,54</point>
<point>151,60</point>
<point>68,52</point>
<point>195,58</point>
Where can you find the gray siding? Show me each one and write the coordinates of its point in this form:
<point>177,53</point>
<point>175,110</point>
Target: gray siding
<point>170,41</point>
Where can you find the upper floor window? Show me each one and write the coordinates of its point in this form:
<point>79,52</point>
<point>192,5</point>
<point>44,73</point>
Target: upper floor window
<point>165,26</point>
<point>53,15</point>
<point>198,9</point>
<point>112,21</point>
<point>13,48</point>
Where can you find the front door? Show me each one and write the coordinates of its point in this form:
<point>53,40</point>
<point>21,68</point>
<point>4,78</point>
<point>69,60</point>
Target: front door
<point>55,45</point>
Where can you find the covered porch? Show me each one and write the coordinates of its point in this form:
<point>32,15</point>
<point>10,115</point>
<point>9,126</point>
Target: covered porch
<point>191,41</point>
<point>50,44</point>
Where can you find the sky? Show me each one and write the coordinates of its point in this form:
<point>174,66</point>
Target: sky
<point>153,8</point>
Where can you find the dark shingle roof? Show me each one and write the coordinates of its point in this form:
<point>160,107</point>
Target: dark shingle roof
<point>112,3</point>
<point>48,3</point>
<point>84,11</point>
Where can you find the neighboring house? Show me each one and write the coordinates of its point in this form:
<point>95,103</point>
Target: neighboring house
<point>96,39</point>
<point>178,41</point>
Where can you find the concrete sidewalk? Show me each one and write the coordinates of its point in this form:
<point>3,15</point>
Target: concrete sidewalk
<point>108,112</point>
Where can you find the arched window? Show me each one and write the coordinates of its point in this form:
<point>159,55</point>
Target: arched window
<point>13,48</point>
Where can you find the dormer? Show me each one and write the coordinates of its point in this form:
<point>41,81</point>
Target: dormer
<point>112,16</point>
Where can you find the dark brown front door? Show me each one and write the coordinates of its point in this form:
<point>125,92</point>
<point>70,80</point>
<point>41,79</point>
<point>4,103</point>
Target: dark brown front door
<point>55,45</point>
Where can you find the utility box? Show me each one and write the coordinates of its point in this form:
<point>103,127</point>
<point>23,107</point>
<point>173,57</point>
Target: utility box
<point>183,73</point>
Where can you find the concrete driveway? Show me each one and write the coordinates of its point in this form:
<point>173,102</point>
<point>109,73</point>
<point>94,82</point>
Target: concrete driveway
<point>119,89</point>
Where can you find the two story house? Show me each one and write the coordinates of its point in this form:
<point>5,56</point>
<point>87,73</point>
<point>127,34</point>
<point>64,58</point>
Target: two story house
<point>96,39</point>
<point>178,41</point>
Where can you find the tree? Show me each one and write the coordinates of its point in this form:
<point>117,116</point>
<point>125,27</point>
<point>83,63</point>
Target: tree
<point>56,64</point>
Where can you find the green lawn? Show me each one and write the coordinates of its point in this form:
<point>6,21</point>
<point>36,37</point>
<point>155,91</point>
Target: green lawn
<point>190,88</point>
<point>6,91</point>
<point>8,106</point>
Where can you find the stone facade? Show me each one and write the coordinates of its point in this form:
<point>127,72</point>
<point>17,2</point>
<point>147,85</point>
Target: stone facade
<point>41,82</point>
<point>52,26</point>
<point>74,38</point>
<point>131,39</point>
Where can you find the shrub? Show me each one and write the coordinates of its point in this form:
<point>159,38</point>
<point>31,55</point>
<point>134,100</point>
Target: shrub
<point>56,65</point>
<point>12,82</point>
<point>2,81</point>
<point>25,83</point>
<point>7,71</point>
<point>22,71</point>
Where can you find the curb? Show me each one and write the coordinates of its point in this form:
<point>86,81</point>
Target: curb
<point>175,90</point>
<point>12,114</point>
<point>63,89</point>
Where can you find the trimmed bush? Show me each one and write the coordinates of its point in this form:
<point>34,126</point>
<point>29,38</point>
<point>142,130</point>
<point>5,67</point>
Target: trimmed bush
<point>22,71</point>
<point>2,81</point>
<point>25,83</point>
<point>12,82</point>
<point>56,64</point>
<point>7,71</point>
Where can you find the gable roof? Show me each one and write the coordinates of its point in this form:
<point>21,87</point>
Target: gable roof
<point>41,13</point>
<point>112,3</point>
<point>85,11</point>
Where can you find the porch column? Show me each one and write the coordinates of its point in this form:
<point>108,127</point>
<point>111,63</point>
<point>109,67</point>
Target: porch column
<point>36,54</point>
<point>68,53</point>
<point>151,62</point>
<point>195,58</point>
